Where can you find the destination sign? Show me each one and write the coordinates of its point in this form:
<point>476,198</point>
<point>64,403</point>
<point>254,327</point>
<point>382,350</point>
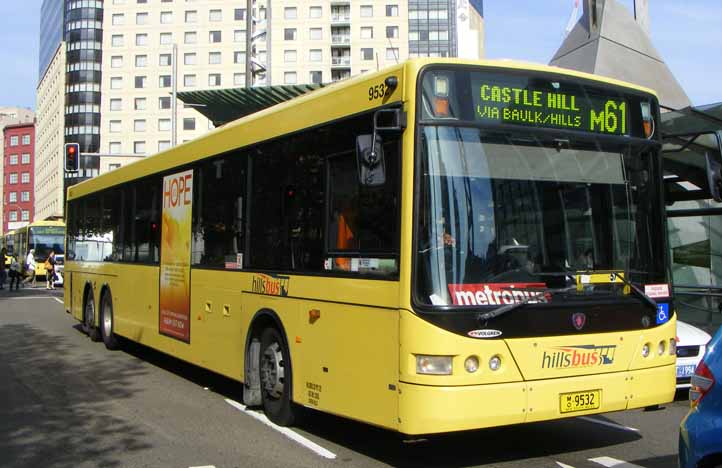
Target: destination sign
<point>514,103</point>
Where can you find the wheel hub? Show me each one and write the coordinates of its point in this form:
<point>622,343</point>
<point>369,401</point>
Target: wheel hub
<point>272,371</point>
<point>89,313</point>
<point>107,320</point>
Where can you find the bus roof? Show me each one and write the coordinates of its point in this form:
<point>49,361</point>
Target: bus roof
<point>41,224</point>
<point>330,103</point>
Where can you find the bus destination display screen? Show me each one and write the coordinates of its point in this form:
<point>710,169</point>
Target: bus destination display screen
<point>516,101</point>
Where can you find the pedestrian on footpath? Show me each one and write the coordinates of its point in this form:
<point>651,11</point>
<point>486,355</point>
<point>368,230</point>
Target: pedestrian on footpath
<point>14,273</point>
<point>50,271</point>
<point>3,270</point>
<point>30,269</point>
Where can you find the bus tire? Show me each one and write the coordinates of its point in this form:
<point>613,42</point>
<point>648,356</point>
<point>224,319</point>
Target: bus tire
<point>107,323</point>
<point>89,316</point>
<point>276,378</point>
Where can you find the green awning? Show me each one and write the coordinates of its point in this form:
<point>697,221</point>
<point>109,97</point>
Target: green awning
<point>225,105</point>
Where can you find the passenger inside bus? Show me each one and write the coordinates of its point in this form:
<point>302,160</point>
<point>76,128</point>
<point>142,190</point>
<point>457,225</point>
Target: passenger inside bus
<point>345,221</point>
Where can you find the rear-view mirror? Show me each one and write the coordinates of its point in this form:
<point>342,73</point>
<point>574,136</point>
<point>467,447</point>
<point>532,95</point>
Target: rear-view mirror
<point>714,175</point>
<point>370,160</point>
<point>692,166</point>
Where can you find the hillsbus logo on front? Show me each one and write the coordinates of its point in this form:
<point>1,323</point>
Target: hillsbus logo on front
<point>569,357</point>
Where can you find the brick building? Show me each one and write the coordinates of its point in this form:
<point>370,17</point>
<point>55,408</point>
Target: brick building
<point>18,175</point>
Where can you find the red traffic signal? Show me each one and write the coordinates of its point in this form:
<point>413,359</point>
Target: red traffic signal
<point>72,157</point>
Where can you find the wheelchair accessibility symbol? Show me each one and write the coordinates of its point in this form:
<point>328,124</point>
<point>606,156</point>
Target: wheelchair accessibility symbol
<point>662,313</point>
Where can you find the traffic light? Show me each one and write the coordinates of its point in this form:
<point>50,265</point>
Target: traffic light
<point>72,157</point>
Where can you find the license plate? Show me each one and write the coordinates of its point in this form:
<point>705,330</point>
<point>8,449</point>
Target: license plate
<point>580,401</point>
<point>686,370</point>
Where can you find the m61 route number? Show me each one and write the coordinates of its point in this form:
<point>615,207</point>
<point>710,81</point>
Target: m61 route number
<point>378,91</point>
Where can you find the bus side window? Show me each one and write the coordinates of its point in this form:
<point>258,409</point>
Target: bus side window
<point>287,204</point>
<point>363,220</point>
<point>308,209</point>
<point>219,212</point>
<point>112,225</point>
<point>89,229</point>
<point>147,220</point>
<point>72,228</point>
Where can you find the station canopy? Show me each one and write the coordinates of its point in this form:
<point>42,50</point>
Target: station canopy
<point>221,106</point>
<point>689,136</point>
<point>693,120</point>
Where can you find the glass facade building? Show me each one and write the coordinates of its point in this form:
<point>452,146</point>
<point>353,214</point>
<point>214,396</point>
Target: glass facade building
<point>78,24</point>
<point>51,32</point>
<point>433,28</point>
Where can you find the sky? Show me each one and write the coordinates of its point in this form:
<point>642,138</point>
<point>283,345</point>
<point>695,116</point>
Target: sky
<point>687,34</point>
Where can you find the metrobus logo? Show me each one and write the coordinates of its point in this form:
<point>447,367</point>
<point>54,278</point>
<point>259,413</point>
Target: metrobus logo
<point>567,357</point>
<point>498,293</point>
<point>273,285</point>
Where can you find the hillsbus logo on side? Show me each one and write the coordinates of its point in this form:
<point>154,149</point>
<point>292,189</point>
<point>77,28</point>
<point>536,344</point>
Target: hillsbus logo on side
<point>273,285</point>
<point>567,357</point>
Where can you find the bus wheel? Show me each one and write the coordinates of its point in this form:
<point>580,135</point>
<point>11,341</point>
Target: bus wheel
<point>106,322</point>
<point>275,373</point>
<point>89,317</point>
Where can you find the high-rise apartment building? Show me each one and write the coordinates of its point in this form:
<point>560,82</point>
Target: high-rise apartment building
<point>122,59</point>
<point>18,180</point>
<point>319,42</point>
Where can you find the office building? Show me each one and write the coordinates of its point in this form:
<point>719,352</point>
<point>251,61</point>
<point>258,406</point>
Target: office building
<point>50,137</point>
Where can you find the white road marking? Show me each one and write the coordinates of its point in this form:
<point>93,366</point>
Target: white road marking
<point>284,430</point>
<point>59,300</point>
<point>610,462</point>
<point>21,298</point>
<point>564,465</point>
<point>609,424</point>
<point>204,466</point>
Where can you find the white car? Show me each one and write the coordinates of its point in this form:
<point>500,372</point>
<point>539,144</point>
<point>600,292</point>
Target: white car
<point>59,269</point>
<point>691,345</point>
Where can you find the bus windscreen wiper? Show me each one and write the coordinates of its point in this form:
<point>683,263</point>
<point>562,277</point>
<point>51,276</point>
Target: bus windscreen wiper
<point>636,290</point>
<point>509,307</point>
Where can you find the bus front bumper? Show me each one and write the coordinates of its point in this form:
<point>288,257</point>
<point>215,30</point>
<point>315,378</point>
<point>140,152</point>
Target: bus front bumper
<point>425,409</point>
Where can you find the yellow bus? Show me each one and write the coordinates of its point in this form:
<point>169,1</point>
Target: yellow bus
<point>8,242</point>
<point>43,236</point>
<point>439,246</point>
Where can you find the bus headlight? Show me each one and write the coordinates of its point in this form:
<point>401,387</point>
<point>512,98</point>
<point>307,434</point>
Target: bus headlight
<point>495,363</point>
<point>645,350</point>
<point>662,347</point>
<point>433,365</point>
<point>471,364</point>
<point>673,346</point>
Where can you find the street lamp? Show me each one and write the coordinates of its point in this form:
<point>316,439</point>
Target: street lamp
<point>174,94</point>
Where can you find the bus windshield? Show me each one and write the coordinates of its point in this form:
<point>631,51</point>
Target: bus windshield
<point>10,243</point>
<point>513,211</point>
<point>46,238</point>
